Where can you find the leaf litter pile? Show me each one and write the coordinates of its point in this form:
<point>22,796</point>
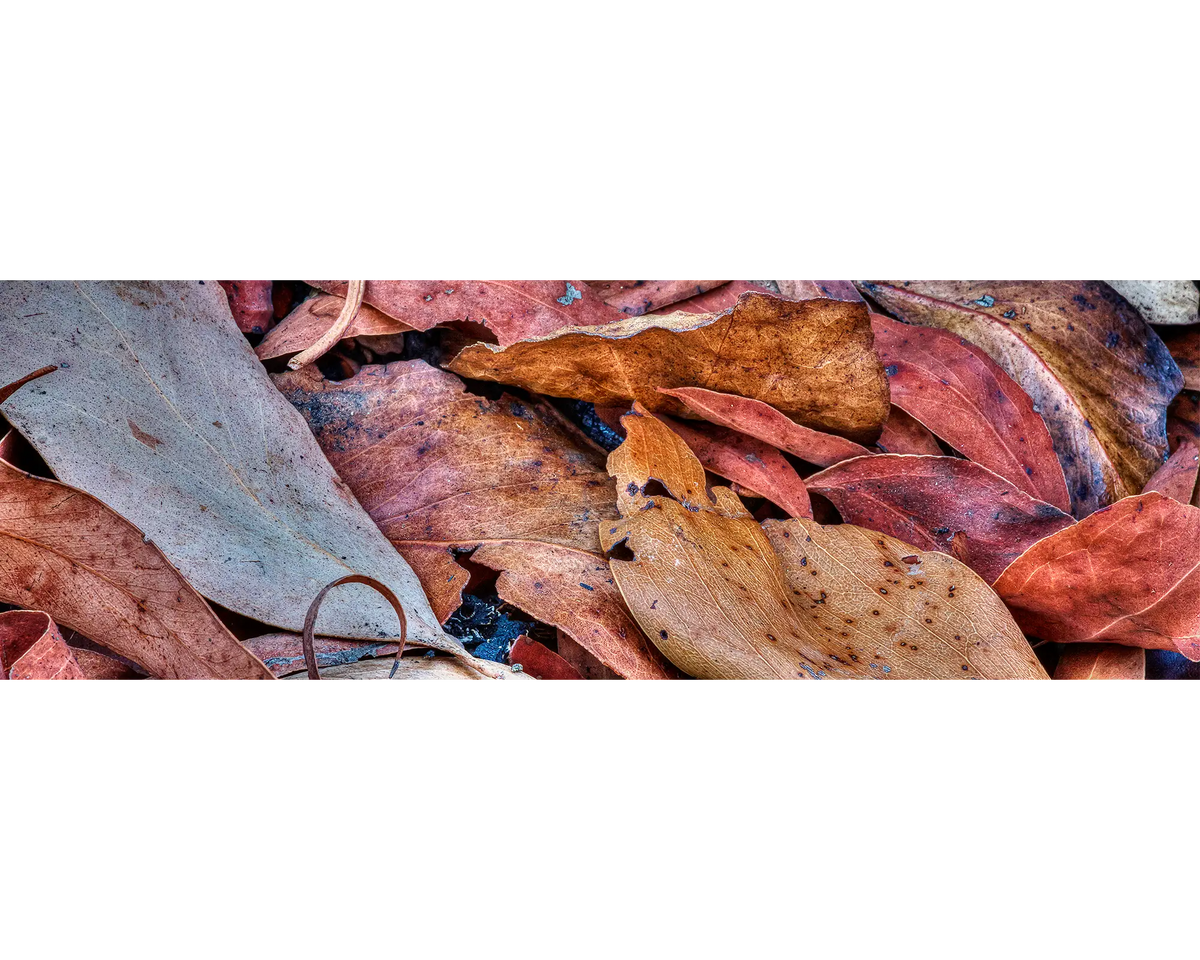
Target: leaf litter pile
<point>600,479</point>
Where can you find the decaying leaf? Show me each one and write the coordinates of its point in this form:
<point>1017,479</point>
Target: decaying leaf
<point>961,394</point>
<point>539,661</point>
<point>418,667</point>
<point>1129,574</point>
<point>1101,661</point>
<point>301,328</point>
<point>509,310</point>
<point>814,289</point>
<point>635,297</point>
<point>1162,301</point>
<point>440,469</point>
<point>929,501</point>
<point>31,648</point>
<point>1177,477</point>
<point>762,421</point>
<point>709,588</point>
<point>891,611</point>
<point>65,552</point>
<point>250,303</point>
<point>161,410</point>
<point>574,590</point>
<point>812,360</point>
<point>905,434</point>
<point>753,465</point>
<point>1098,375</point>
<point>1184,345</point>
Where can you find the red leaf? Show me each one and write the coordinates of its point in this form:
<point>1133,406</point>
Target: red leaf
<point>250,303</point>
<point>540,661</point>
<point>962,395</point>
<point>510,309</point>
<point>1127,574</point>
<point>758,419</point>
<point>31,648</point>
<point>903,434</point>
<point>816,289</point>
<point>927,501</point>
<point>1177,477</point>
<point>721,298</point>
<point>635,297</point>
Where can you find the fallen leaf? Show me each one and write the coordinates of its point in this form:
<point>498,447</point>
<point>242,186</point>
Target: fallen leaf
<point>926,501</point>
<point>31,648</point>
<point>301,328</point>
<point>753,465</point>
<point>509,310</point>
<point>440,469</point>
<point>574,590</point>
<point>1098,375</point>
<point>161,409</point>
<point>757,419</point>
<point>283,653</point>
<point>63,551</point>
<point>1177,477</point>
<point>588,666</point>
<point>97,666</point>
<point>1128,574</point>
<point>250,303</point>
<point>904,434</point>
<point>1162,301</point>
<point>418,667</point>
<point>716,300</point>
<point>1101,661</point>
<point>635,297</point>
<point>539,661</point>
<point>1184,346</point>
<point>812,360</point>
<point>814,289</point>
<point>891,611</point>
<point>1183,420</point>
<point>962,395</point>
<point>709,588</point>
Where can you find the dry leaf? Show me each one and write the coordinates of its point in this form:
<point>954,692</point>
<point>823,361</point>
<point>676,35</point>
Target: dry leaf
<point>509,310</point>
<point>1128,574</point>
<point>716,300</point>
<point>63,551</point>
<point>303,327</point>
<point>757,419</point>
<point>1098,375</point>
<point>904,434</point>
<point>539,661</point>
<point>283,653</point>
<point>1162,301</point>
<point>250,303</point>
<point>31,648</point>
<point>1177,477</point>
<point>891,611</point>
<point>960,394</point>
<point>1101,661</point>
<point>97,666</point>
<point>635,297</point>
<point>440,469</point>
<point>588,666</point>
<point>161,410</point>
<point>1184,345</point>
<point>927,501</point>
<point>709,588</point>
<point>814,289</point>
<point>418,667</point>
<point>574,591</point>
<point>812,360</point>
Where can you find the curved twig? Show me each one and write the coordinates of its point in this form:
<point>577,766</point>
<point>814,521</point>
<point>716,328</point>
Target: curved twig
<point>8,391</point>
<point>327,340</point>
<point>310,619</point>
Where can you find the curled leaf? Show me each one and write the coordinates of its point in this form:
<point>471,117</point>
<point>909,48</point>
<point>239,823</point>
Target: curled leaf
<point>929,501</point>
<point>31,648</point>
<point>1128,574</point>
<point>813,360</point>
<point>1098,375</point>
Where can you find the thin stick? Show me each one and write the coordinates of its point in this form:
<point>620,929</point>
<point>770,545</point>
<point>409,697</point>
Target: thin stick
<point>8,391</point>
<point>327,340</point>
<point>310,619</point>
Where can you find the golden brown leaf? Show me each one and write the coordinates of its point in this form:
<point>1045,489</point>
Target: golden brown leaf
<point>812,360</point>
